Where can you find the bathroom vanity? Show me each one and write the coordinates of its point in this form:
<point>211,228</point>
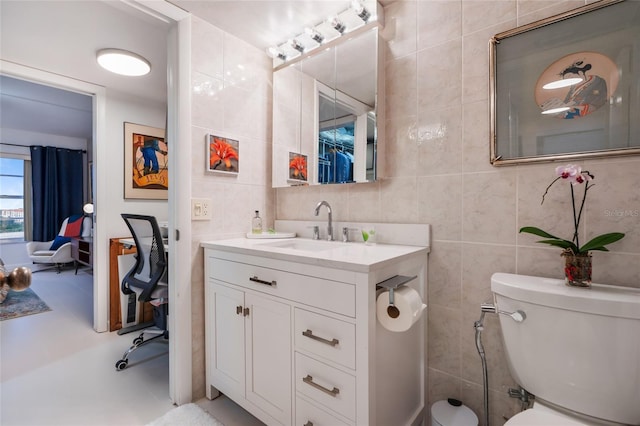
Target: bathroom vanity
<point>291,331</point>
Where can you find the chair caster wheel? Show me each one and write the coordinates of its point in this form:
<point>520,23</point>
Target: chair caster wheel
<point>121,364</point>
<point>137,341</point>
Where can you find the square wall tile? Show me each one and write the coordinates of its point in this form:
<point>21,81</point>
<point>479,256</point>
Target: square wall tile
<point>444,329</point>
<point>439,141</point>
<point>613,204</point>
<point>400,28</point>
<point>400,87</point>
<point>440,76</point>
<point>400,199</point>
<point>445,281</point>
<point>489,206</point>
<point>440,204</point>
<point>479,263</point>
<point>438,22</point>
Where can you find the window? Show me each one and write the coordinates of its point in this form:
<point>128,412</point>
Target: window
<point>12,198</point>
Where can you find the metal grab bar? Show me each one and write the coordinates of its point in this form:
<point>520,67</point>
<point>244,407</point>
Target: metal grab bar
<point>309,380</point>
<point>308,333</point>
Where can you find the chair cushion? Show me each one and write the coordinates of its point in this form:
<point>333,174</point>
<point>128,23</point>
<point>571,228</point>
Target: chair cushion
<point>59,242</point>
<point>73,227</point>
<point>47,253</point>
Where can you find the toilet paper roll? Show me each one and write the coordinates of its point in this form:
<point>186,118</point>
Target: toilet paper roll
<point>409,306</point>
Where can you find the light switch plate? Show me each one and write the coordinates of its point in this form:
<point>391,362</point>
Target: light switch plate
<point>200,209</point>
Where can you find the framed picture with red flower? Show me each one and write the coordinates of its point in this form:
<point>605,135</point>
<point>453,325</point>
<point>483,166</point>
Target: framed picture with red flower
<point>298,167</point>
<point>223,155</point>
<point>146,163</point>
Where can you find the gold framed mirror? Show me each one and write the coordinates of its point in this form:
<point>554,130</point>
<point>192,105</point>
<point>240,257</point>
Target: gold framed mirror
<point>567,86</point>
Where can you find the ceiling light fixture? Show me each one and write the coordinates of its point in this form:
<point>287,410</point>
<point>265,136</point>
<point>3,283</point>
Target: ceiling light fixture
<point>276,53</point>
<point>296,45</point>
<point>360,10</point>
<point>123,62</point>
<point>359,16</point>
<point>314,34</point>
<point>336,24</point>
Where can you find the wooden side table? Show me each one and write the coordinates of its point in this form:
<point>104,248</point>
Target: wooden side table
<point>117,248</point>
<point>82,251</point>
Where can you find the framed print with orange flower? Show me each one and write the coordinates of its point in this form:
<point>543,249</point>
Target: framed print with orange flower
<point>223,155</point>
<point>298,167</point>
<point>146,160</point>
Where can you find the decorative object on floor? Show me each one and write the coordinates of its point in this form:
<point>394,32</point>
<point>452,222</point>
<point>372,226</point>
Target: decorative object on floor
<point>22,303</point>
<point>146,160</point>
<point>17,280</point>
<point>577,258</point>
<point>188,414</point>
<point>223,155</point>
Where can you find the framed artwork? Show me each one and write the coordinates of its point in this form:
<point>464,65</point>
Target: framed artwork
<point>565,87</point>
<point>298,167</point>
<point>222,155</point>
<point>146,160</point>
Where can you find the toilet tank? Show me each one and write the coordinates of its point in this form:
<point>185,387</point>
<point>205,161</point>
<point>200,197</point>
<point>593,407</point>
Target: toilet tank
<point>577,348</point>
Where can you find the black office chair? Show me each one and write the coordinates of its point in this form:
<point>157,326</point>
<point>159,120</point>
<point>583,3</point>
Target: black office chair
<point>147,279</point>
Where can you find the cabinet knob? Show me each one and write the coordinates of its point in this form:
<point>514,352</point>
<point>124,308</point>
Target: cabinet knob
<point>308,423</point>
<point>239,310</point>
<point>246,312</point>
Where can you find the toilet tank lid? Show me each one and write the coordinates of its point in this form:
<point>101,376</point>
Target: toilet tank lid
<point>615,301</point>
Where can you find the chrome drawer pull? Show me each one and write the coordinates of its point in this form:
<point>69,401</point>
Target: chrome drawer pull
<point>308,423</point>
<point>259,281</point>
<point>309,380</point>
<point>310,335</point>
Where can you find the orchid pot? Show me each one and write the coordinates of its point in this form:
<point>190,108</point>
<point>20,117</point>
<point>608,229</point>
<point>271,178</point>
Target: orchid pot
<point>577,268</point>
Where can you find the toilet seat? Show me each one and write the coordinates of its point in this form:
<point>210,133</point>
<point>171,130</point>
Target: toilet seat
<point>533,417</point>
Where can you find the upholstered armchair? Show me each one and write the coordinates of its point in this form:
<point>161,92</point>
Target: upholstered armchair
<point>57,252</point>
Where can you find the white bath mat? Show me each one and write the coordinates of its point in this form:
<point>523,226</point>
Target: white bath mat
<point>187,415</point>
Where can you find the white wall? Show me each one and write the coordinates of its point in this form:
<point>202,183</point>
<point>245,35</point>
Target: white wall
<point>120,108</point>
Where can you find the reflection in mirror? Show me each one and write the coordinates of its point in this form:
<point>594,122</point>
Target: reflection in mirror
<point>324,111</point>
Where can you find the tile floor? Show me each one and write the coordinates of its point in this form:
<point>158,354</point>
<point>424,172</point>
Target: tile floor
<point>56,370</point>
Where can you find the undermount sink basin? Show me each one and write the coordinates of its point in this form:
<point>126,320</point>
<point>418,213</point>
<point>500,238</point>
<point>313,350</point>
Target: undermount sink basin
<point>305,245</point>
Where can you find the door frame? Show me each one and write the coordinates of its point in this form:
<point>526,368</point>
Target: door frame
<point>178,111</point>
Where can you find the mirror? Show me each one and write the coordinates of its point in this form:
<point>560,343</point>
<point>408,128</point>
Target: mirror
<point>325,115</point>
<point>559,92</point>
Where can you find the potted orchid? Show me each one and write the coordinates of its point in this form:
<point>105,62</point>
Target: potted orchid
<point>577,257</point>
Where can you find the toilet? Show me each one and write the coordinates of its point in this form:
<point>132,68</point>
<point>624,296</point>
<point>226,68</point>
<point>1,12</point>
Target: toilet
<point>577,350</point>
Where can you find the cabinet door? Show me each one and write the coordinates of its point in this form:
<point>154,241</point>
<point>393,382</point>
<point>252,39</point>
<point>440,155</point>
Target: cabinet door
<point>269,361</point>
<point>227,352</point>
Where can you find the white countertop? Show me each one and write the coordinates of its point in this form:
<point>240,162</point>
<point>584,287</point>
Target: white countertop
<point>353,256</point>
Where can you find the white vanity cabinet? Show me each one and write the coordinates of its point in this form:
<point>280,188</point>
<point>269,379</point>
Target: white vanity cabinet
<point>293,338</point>
<point>251,353</point>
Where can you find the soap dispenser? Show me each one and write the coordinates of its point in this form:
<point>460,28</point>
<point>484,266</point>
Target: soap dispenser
<point>256,224</point>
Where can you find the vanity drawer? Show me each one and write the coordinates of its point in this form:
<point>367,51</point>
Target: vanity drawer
<point>331,295</point>
<point>326,337</point>
<point>326,385</point>
<point>308,414</point>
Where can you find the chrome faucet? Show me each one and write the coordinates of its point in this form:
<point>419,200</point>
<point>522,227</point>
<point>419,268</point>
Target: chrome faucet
<point>329,224</point>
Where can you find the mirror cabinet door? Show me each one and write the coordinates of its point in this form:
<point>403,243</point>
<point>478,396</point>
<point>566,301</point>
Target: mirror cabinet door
<point>324,115</point>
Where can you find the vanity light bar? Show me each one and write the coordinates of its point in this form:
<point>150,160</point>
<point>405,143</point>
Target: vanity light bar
<point>357,16</point>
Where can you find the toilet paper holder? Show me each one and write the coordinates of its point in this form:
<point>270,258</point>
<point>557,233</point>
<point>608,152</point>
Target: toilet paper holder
<point>392,284</point>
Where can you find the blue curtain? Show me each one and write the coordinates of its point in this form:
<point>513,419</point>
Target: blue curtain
<point>57,188</point>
